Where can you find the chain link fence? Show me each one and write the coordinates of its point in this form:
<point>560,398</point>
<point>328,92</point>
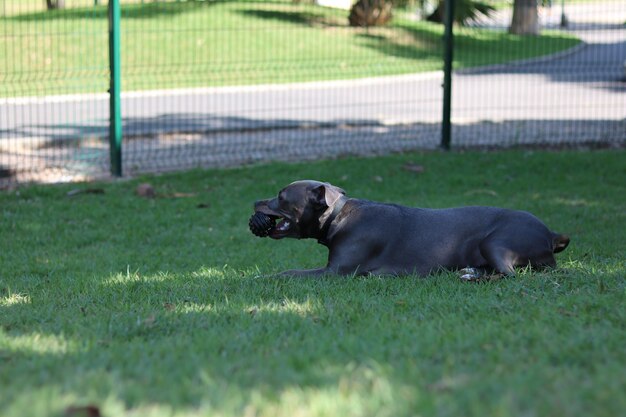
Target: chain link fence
<point>213,84</point>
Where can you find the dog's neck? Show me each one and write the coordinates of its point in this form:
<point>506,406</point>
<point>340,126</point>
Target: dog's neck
<point>328,217</point>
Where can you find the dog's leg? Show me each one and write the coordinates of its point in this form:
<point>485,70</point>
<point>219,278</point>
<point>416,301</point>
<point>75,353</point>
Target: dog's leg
<point>542,262</point>
<point>500,258</point>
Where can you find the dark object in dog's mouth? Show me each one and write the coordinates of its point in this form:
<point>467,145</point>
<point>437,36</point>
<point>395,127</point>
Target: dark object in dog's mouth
<point>262,225</point>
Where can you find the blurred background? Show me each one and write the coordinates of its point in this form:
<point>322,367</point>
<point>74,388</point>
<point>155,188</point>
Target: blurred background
<point>226,83</point>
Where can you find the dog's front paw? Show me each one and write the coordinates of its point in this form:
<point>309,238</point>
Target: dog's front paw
<point>478,275</point>
<point>470,274</point>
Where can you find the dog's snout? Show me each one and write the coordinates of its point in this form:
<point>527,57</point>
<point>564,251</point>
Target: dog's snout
<point>265,206</point>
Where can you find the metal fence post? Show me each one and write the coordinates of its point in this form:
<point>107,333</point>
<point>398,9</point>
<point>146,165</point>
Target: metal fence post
<point>115,115</point>
<point>446,125</point>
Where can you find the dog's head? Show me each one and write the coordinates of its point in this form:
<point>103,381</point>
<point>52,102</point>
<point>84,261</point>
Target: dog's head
<point>301,209</point>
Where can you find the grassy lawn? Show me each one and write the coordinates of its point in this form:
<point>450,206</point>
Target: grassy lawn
<point>187,44</point>
<point>167,307</point>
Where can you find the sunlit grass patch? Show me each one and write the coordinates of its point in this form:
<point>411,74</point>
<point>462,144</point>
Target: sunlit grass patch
<point>14,299</point>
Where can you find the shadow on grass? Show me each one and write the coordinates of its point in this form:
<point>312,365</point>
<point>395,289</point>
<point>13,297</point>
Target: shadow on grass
<point>423,40</point>
<point>473,47</point>
<point>416,41</point>
<point>137,11</point>
<point>599,63</point>
<point>403,44</point>
<point>297,17</point>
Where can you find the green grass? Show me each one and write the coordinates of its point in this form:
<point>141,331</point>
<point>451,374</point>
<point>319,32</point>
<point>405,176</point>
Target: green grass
<point>190,44</point>
<point>161,308</point>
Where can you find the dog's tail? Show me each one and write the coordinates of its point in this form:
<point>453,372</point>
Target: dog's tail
<point>559,242</point>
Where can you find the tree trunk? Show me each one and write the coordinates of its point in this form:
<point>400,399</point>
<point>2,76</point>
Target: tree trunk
<point>525,18</point>
<point>366,13</point>
<point>55,4</point>
<point>438,14</point>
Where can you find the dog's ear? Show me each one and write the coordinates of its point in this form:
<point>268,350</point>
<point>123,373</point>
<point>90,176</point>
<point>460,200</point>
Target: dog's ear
<point>317,197</point>
<point>325,195</point>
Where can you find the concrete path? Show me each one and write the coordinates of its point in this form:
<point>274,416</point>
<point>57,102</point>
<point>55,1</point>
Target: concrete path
<point>578,96</point>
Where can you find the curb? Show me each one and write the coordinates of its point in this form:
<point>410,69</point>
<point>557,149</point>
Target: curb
<point>529,61</point>
<point>310,85</point>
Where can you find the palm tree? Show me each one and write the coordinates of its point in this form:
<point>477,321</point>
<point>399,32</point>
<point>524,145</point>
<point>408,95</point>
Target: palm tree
<point>366,13</point>
<point>55,4</point>
<point>525,18</point>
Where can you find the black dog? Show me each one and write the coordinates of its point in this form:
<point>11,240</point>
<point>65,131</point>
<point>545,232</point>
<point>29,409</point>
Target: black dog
<point>367,237</point>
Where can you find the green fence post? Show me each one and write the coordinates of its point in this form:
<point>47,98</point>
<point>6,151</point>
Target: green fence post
<point>446,125</point>
<point>115,115</point>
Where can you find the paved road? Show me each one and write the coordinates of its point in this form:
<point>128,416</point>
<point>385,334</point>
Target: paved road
<point>579,96</point>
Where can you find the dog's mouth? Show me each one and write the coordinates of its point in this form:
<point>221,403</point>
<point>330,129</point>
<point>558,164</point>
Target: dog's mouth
<point>272,225</point>
<point>280,229</point>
